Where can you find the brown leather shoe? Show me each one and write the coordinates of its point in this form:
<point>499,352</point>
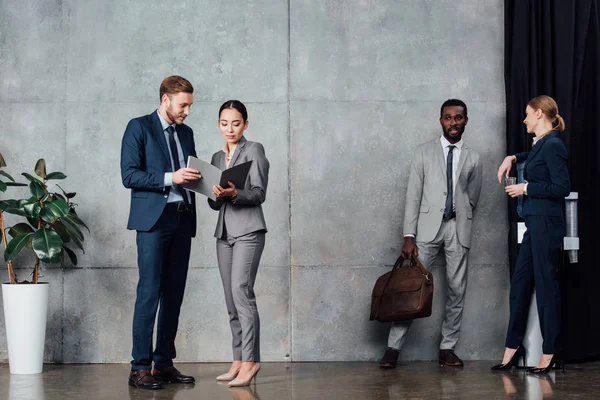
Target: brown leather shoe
<point>143,379</point>
<point>447,357</point>
<point>390,358</point>
<point>172,375</point>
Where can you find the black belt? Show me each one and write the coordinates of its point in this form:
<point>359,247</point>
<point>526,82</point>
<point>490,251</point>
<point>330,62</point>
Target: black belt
<point>177,207</point>
<point>451,217</point>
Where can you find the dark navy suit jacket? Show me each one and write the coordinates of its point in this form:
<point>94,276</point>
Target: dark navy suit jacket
<point>548,177</point>
<point>145,159</point>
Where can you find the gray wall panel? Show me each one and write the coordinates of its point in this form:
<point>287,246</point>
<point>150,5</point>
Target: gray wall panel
<point>339,93</point>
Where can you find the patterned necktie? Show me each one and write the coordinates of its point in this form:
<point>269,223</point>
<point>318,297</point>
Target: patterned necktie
<point>175,155</point>
<point>450,196</point>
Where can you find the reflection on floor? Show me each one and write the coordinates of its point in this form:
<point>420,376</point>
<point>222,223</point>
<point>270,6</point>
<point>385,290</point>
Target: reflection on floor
<point>305,381</point>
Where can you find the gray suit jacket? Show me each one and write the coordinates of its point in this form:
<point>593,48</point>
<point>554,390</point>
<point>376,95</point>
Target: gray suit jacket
<point>426,193</point>
<point>243,214</point>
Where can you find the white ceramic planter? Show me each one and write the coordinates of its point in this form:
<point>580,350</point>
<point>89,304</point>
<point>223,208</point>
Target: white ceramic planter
<point>25,312</point>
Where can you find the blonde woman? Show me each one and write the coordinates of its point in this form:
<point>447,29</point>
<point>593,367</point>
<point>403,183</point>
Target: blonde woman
<point>547,184</point>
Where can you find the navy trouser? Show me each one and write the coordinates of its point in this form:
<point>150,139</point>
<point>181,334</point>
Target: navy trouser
<point>537,266</point>
<point>163,259</point>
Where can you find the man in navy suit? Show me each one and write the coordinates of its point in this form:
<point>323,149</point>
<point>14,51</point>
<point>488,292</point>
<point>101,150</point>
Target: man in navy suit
<point>154,151</point>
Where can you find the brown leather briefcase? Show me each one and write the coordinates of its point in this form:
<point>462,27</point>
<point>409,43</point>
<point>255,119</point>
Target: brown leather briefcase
<point>406,292</point>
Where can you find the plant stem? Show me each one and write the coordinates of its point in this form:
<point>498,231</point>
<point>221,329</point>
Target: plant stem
<point>12,277</point>
<point>36,270</point>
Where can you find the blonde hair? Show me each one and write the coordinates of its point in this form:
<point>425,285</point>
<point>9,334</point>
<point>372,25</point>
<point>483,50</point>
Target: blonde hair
<point>549,107</point>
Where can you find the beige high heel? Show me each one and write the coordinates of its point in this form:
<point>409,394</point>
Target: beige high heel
<point>238,382</point>
<point>228,376</point>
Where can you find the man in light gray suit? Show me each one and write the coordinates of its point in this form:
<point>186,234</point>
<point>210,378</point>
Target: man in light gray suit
<point>443,190</point>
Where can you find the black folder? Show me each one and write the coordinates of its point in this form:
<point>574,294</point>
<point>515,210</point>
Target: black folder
<point>213,176</point>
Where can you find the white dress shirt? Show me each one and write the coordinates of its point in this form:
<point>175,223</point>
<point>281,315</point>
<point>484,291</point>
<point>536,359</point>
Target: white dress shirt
<point>455,158</point>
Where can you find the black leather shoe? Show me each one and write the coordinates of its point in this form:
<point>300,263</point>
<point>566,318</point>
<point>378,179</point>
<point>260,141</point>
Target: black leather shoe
<point>554,362</point>
<point>390,358</point>
<point>447,357</point>
<point>171,375</point>
<point>514,361</point>
<point>143,379</point>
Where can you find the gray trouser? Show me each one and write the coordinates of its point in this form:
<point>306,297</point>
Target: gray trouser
<point>456,277</point>
<point>238,263</point>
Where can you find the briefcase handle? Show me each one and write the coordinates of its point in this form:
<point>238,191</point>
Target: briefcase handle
<point>414,262</point>
<point>401,259</point>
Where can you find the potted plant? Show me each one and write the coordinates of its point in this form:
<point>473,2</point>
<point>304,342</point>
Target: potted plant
<point>51,225</point>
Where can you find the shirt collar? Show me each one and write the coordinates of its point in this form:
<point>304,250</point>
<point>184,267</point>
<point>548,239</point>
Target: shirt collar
<point>163,122</point>
<point>446,143</point>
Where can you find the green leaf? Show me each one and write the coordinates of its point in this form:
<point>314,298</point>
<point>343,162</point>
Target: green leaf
<point>19,229</point>
<point>37,189</point>
<point>4,204</point>
<point>15,246</point>
<point>40,168</point>
<point>60,196</point>
<point>15,184</point>
<point>32,209</point>
<point>67,195</point>
<point>47,245</point>
<point>73,229</point>
<point>14,207</point>
<point>62,231</point>
<point>7,175</point>
<point>33,222</point>
<point>71,254</point>
<point>29,177</point>
<point>75,219</point>
<point>73,232</point>
<point>2,186</point>
<point>47,216</point>
<point>59,208</point>
<point>2,162</point>
<point>55,175</point>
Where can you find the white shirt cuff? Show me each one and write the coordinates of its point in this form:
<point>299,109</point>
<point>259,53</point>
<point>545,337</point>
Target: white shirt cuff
<point>168,179</point>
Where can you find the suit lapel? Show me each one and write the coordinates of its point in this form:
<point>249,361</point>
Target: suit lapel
<point>461,161</point>
<point>538,146</point>
<point>238,151</point>
<point>439,156</point>
<point>221,163</point>
<point>159,135</point>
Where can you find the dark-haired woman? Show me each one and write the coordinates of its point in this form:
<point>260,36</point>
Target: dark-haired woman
<point>547,184</point>
<point>240,234</point>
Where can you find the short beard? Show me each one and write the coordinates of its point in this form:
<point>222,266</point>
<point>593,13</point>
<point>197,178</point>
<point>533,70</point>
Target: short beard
<point>172,116</point>
<point>455,138</point>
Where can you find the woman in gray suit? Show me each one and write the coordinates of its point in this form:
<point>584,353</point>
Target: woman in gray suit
<point>240,237</point>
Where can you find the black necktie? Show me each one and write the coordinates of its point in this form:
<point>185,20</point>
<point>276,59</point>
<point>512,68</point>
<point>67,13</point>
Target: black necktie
<point>450,196</point>
<point>175,155</point>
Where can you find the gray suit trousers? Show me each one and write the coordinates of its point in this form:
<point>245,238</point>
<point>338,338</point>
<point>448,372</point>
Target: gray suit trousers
<point>456,279</point>
<point>238,263</point>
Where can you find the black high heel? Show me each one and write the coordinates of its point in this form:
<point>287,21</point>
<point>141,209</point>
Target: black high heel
<point>514,361</point>
<point>555,361</point>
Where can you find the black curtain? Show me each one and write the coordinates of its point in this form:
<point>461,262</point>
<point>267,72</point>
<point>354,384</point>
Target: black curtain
<point>552,47</point>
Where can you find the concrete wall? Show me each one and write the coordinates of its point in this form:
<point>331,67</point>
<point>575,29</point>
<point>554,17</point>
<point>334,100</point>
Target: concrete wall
<point>339,93</point>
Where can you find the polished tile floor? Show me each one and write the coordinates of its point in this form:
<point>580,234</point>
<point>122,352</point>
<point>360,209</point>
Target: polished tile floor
<point>300,381</point>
